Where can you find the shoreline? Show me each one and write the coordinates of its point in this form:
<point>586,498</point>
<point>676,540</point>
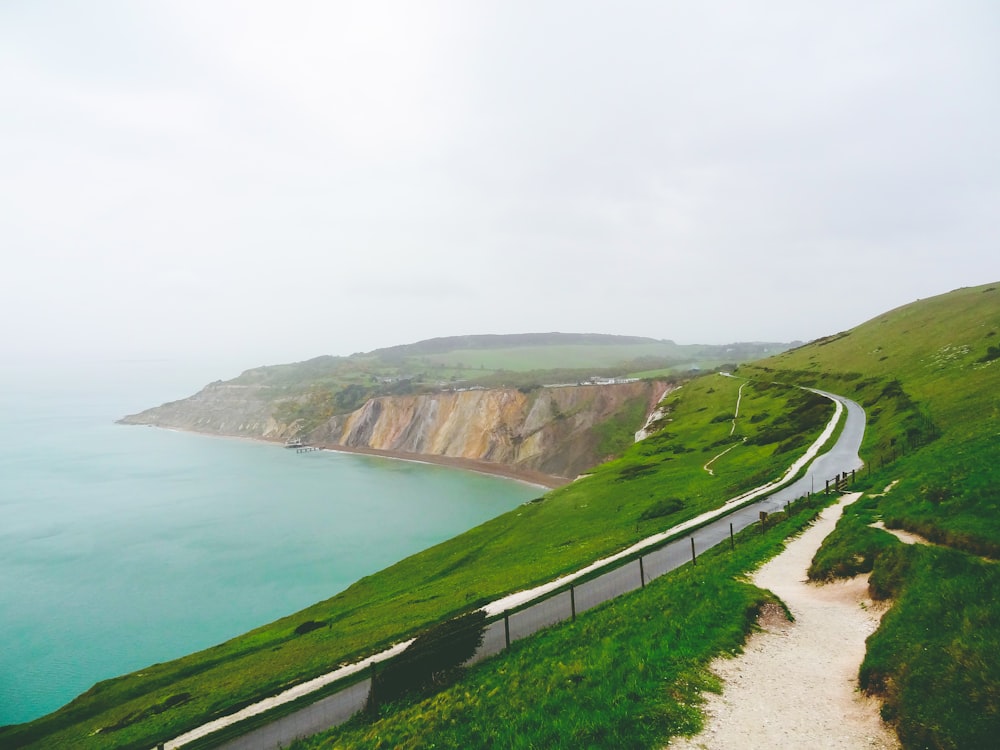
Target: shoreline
<point>525,476</point>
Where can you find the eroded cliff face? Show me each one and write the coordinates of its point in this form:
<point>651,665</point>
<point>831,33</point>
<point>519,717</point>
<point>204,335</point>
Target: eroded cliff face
<point>557,431</point>
<point>552,430</point>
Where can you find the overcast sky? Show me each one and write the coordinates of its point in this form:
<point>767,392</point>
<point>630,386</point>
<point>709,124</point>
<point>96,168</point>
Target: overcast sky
<point>259,182</point>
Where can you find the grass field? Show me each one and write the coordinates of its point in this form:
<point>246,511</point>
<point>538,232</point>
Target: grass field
<point>928,374</point>
<point>628,674</point>
<point>655,485</point>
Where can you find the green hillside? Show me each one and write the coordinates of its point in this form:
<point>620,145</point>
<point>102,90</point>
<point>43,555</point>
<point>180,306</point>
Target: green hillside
<point>628,674</point>
<point>512,359</point>
<point>928,374</point>
<point>653,486</point>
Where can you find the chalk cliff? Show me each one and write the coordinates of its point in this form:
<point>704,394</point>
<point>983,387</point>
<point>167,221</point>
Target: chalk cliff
<point>559,431</point>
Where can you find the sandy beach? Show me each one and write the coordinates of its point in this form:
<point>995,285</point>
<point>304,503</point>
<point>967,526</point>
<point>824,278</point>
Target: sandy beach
<point>527,476</point>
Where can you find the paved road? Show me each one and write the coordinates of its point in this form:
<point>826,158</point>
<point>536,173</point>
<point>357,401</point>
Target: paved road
<point>841,457</point>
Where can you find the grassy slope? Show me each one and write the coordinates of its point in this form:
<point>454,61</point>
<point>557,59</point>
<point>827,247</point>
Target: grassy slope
<point>920,372</point>
<point>935,659</point>
<point>581,357</point>
<point>568,529</point>
<point>445,359</point>
<point>626,675</point>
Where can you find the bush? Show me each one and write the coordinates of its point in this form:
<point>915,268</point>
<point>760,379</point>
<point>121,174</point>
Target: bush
<point>889,575</point>
<point>433,660</point>
<point>308,626</point>
<point>660,508</point>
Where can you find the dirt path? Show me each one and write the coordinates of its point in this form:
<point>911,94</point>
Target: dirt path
<point>905,537</point>
<point>795,685</point>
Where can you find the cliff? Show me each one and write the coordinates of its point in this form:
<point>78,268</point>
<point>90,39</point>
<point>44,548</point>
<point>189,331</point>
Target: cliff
<point>221,409</point>
<point>558,431</point>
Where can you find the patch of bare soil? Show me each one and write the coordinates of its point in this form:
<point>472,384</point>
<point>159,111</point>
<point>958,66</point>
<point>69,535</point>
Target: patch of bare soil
<point>795,684</point>
<point>905,537</point>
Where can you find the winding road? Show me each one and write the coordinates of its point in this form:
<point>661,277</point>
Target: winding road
<point>707,530</point>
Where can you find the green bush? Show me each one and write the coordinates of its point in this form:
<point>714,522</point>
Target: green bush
<point>662,508</point>
<point>433,660</point>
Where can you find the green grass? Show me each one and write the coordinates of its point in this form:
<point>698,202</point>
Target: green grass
<point>935,659</point>
<point>927,378</point>
<point>933,405</point>
<point>932,390</point>
<point>853,547</point>
<point>568,529</point>
<point>656,354</point>
<point>629,674</point>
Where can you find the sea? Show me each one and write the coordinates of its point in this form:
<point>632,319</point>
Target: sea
<point>123,546</point>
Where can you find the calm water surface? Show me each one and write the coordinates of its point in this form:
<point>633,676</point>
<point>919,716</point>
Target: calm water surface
<point>124,546</point>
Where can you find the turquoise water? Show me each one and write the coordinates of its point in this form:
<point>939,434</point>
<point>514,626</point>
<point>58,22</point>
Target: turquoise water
<point>124,546</point>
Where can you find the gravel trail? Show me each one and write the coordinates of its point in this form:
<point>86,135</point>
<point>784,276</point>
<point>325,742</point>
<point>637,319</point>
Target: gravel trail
<point>795,684</point>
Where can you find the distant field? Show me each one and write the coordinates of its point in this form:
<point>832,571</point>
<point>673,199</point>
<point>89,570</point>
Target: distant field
<point>553,357</point>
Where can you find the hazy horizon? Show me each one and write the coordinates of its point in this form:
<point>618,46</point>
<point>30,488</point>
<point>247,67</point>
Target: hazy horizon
<point>240,184</point>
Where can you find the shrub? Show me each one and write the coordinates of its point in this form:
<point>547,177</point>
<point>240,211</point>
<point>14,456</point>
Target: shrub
<point>433,660</point>
<point>308,626</point>
<point>660,508</point>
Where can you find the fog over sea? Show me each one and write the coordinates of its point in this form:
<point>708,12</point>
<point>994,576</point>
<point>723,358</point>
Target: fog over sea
<point>125,546</point>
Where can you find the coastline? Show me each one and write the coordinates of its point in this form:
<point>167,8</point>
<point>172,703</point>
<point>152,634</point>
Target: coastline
<point>526,476</point>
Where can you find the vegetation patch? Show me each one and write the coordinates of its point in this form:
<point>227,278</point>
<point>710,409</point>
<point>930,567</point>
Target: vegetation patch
<point>659,509</point>
<point>172,702</point>
<point>992,353</point>
<point>514,551</point>
<point>629,674</point>
<point>308,626</point>
<point>433,661</point>
<point>935,660</point>
<point>853,547</point>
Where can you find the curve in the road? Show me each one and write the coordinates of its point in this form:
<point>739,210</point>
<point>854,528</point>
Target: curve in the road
<point>713,527</point>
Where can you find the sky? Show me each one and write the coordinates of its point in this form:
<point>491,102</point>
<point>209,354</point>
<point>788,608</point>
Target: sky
<point>248,183</point>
